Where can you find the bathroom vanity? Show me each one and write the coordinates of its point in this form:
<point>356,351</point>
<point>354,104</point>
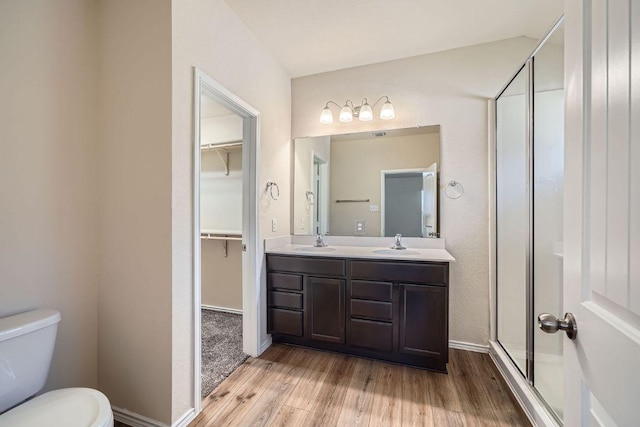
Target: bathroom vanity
<point>362,301</point>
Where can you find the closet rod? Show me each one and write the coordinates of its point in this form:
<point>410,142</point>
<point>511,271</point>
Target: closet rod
<point>209,237</point>
<point>224,239</point>
<point>221,146</point>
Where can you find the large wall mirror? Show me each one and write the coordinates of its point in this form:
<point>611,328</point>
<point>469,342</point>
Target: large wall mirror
<point>372,184</point>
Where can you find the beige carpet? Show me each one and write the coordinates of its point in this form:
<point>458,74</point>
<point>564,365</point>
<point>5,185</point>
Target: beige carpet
<point>221,347</point>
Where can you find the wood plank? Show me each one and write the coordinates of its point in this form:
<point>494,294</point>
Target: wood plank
<point>328,404</point>
<point>446,418</point>
<point>387,402</point>
<point>289,416</point>
<point>416,407</point>
<point>311,380</point>
<point>265,410</point>
<point>442,392</point>
<point>358,402</point>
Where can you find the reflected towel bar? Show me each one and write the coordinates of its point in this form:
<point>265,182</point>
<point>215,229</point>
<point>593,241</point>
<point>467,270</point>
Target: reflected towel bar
<point>353,201</point>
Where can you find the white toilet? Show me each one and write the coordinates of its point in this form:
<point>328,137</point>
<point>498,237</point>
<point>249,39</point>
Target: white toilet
<point>26,347</point>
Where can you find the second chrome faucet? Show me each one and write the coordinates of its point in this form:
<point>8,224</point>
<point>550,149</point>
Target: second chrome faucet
<point>320,243</point>
<point>398,243</point>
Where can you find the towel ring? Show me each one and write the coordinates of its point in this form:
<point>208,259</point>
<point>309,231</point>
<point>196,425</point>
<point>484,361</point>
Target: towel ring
<point>270,187</point>
<point>311,198</point>
<point>453,184</point>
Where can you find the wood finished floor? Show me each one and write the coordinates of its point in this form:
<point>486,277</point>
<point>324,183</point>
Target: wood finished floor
<point>290,386</point>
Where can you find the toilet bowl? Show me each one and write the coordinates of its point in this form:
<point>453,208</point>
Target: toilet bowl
<point>26,346</point>
<point>69,407</point>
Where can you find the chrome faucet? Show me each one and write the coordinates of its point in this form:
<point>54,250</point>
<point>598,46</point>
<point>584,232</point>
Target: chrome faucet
<point>397,243</point>
<point>320,243</point>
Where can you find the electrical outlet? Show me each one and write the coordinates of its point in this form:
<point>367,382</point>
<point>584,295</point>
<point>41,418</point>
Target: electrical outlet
<point>374,208</point>
<point>360,226</point>
<point>274,225</point>
<point>302,223</point>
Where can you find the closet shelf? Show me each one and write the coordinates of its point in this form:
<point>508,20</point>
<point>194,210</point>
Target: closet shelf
<point>222,150</point>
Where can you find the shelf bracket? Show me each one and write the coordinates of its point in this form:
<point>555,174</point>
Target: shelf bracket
<point>225,161</point>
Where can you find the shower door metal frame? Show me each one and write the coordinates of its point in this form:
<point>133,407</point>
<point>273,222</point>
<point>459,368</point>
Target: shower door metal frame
<point>532,401</point>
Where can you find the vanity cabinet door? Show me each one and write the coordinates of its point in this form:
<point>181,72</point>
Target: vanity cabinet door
<point>326,319</point>
<point>423,327</point>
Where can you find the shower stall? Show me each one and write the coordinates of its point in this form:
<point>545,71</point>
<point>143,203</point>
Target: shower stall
<point>527,189</point>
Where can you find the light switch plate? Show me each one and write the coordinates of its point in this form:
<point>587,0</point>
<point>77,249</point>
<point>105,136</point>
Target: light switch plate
<point>274,225</point>
<point>360,226</point>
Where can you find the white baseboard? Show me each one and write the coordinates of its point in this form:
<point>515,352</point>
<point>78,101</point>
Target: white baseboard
<point>184,420</point>
<point>136,420</point>
<point>222,309</point>
<point>468,346</point>
<point>265,345</point>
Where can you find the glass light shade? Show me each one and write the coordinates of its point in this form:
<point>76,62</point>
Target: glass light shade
<point>387,111</point>
<point>326,116</point>
<point>346,114</point>
<point>366,113</point>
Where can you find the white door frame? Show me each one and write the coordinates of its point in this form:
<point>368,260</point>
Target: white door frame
<point>251,319</point>
<point>383,173</point>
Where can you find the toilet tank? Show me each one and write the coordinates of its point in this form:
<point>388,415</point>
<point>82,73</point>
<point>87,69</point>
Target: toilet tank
<point>26,347</point>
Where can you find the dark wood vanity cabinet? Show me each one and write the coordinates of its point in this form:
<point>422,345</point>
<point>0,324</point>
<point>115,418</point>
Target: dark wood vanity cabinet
<point>389,310</point>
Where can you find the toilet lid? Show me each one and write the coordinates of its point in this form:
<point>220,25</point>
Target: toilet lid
<point>69,407</point>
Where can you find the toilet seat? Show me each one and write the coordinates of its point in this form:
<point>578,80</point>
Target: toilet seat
<point>69,407</point>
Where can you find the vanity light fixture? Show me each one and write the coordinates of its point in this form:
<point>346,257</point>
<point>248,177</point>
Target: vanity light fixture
<point>363,112</point>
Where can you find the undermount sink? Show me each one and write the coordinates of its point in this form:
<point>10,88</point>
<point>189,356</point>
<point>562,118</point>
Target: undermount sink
<point>395,252</point>
<point>315,249</point>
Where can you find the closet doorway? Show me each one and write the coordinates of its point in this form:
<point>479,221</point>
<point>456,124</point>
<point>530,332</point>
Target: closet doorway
<point>226,318</point>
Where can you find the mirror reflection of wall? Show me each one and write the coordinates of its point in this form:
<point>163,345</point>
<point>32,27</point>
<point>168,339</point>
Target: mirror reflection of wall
<point>368,184</point>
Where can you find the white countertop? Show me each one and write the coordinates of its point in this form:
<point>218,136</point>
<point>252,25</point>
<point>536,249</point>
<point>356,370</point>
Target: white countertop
<point>367,252</point>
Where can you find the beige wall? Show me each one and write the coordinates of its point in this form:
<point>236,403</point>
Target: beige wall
<point>48,159</point>
<point>135,299</point>
<point>222,276</point>
<point>450,89</point>
<point>356,166</point>
<point>209,35</point>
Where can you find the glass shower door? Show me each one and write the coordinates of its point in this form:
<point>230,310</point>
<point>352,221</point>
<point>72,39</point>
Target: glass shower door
<point>548,173</point>
<point>529,218</point>
<point>512,212</point>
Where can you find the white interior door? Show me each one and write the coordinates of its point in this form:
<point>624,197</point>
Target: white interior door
<point>602,212</point>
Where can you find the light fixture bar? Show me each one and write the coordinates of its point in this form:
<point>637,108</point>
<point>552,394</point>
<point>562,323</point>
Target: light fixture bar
<point>363,112</point>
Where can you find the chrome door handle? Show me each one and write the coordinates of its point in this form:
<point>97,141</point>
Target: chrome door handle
<point>551,324</point>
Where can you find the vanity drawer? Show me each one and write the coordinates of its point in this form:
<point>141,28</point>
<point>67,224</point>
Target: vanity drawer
<point>307,265</point>
<point>371,334</point>
<point>284,299</point>
<point>432,273</point>
<point>285,322</point>
<point>377,291</point>
<point>372,309</point>
<point>284,281</point>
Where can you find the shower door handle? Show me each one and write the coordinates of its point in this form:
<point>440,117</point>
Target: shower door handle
<point>551,324</point>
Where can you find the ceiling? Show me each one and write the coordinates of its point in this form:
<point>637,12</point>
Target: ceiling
<point>315,36</point>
